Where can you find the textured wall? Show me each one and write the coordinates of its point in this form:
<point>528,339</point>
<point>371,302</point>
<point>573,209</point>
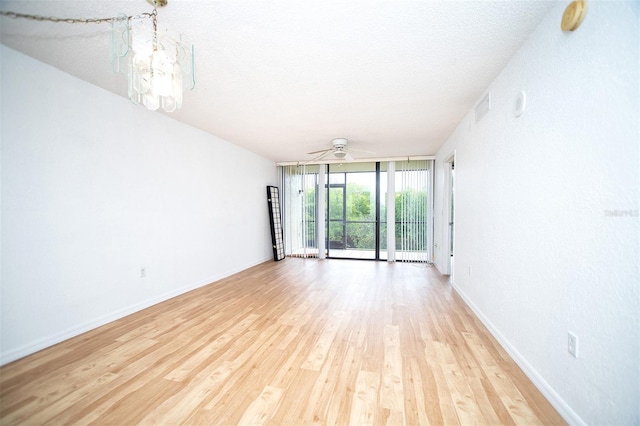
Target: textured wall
<point>94,188</point>
<point>547,212</point>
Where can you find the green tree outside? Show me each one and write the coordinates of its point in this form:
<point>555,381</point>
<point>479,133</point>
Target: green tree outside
<point>359,222</point>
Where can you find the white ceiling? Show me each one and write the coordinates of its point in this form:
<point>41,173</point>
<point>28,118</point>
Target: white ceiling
<point>283,78</point>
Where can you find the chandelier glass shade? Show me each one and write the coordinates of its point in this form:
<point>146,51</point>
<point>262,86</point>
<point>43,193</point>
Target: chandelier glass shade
<point>159,65</point>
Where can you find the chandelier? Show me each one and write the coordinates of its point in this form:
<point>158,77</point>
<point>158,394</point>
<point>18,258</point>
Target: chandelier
<point>159,66</point>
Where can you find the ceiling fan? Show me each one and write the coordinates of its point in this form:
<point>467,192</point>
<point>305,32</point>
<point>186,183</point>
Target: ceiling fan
<point>339,151</point>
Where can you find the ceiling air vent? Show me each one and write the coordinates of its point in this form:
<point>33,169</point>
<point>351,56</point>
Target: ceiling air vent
<point>483,107</point>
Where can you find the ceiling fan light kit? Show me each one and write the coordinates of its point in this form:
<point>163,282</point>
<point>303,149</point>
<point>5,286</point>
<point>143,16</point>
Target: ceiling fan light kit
<point>158,65</point>
<point>340,154</point>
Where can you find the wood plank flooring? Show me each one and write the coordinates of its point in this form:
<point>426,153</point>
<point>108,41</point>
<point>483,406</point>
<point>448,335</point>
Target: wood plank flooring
<point>296,342</point>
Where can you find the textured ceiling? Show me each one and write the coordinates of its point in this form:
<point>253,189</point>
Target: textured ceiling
<point>283,78</point>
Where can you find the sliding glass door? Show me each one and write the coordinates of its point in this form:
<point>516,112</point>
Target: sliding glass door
<point>377,211</point>
<point>352,211</point>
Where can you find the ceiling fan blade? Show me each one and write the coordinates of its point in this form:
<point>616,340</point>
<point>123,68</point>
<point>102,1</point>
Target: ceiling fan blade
<point>348,157</point>
<point>361,150</point>
<point>323,155</point>
<point>322,150</point>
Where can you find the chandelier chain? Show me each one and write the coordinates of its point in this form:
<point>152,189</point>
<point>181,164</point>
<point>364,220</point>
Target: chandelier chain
<point>157,77</point>
<point>153,15</point>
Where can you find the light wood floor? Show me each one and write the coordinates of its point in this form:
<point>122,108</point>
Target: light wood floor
<point>296,342</point>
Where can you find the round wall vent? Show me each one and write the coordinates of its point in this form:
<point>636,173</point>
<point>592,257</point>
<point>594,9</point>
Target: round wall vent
<point>520,103</point>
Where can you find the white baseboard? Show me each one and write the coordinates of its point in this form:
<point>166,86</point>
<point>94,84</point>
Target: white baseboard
<point>552,396</point>
<point>35,346</point>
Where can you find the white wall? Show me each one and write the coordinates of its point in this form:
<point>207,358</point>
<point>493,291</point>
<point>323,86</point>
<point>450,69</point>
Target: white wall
<point>547,212</point>
<point>94,188</point>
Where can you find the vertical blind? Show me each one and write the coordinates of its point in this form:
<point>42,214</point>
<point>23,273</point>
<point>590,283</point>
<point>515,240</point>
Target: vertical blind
<point>300,212</point>
<point>413,191</point>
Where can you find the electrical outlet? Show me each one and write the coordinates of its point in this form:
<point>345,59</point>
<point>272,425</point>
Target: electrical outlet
<point>469,270</point>
<point>572,345</point>
<point>143,272</point>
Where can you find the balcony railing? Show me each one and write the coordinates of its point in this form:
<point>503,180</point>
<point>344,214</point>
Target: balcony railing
<point>360,235</point>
